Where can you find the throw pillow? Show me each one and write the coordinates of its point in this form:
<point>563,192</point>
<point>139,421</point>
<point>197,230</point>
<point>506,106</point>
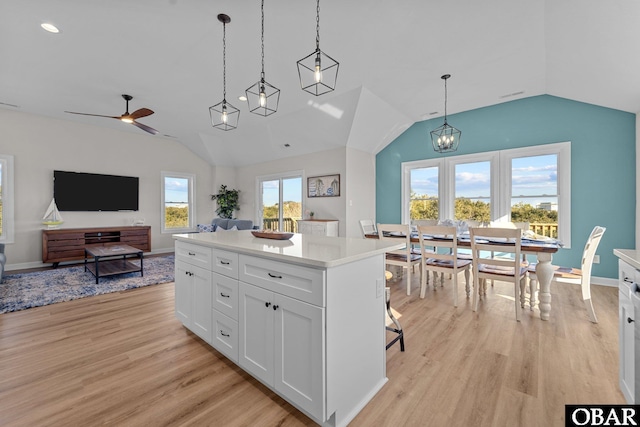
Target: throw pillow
<point>234,228</point>
<point>206,228</point>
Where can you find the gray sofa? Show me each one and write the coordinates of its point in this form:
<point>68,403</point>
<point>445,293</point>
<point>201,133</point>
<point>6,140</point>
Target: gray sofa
<point>3,261</point>
<point>226,224</point>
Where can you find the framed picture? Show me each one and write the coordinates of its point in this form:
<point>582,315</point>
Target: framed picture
<point>323,186</point>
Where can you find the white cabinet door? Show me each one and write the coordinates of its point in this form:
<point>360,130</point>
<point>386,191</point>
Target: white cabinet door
<point>193,298</point>
<point>201,302</point>
<point>256,331</point>
<point>183,290</point>
<point>299,353</point>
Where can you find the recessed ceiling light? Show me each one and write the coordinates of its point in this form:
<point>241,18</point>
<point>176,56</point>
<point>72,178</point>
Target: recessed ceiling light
<point>242,98</point>
<point>50,27</point>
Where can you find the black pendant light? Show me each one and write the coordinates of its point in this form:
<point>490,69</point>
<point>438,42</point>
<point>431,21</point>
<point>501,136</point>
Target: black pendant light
<point>224,116</point>
<point>263,97</point>
<point>318,72</point>
<point>446,138</point>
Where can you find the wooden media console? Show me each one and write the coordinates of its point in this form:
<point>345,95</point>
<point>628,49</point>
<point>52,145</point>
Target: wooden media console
<point>68,244</point>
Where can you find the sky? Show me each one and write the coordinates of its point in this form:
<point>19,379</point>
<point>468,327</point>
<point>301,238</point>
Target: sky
<point>292,191</point>
<point>176,190</point>
<point>531,176</point>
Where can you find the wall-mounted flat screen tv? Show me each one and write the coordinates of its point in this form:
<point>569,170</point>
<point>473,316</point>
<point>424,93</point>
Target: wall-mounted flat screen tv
<point>83,192</point>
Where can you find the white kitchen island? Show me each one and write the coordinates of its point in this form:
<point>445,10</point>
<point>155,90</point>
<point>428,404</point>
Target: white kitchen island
<point>305,316</point>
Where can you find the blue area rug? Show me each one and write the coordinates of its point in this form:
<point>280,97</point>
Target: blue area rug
<point>26,290</point>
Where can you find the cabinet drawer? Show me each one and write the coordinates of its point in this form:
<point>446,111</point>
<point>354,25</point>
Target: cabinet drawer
<point>225,295</point>
<point>194,254</point>
<point>225,335</point>
<point>302,283</point>
<point>225,262</point>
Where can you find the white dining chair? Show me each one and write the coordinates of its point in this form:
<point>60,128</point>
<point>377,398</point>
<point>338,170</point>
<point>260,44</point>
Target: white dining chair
<point>439,245</point>
<point>367,226</point>
<point>484,243</point>
<point>404,258</point>
<point>573,276</point>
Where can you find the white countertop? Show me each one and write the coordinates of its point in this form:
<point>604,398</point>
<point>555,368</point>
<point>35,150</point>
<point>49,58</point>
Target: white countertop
<point>630,256</point>
<point>303,249</point>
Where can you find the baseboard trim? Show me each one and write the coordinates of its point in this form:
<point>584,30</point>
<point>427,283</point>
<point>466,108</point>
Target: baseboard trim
<point>11,268</point>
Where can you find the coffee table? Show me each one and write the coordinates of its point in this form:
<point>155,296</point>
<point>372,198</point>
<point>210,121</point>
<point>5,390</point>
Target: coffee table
<point>112,259</point>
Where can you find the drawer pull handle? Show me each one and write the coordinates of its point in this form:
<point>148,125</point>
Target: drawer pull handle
<point>192,253</point>
<point>267,304</point>
<point>224,295</point>
<point>275,307</point>
<point>223,334</point>
<point>275,276</point>
<point>225,262</point>
<point>626,279</point>
<point>188,273</point>
<point>630,320</point>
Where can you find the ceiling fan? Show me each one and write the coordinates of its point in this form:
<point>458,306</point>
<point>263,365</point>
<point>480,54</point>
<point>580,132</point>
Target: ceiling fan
<point>126,117</point>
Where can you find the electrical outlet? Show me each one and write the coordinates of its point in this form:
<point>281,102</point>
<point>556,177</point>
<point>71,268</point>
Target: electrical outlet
<point>596,259</point>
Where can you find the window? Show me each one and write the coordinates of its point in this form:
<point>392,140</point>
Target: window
<point>423,193</point>
<point>6,199</point>
<point>178,202</point>
<point>280,201</point>
<point>531,184</point>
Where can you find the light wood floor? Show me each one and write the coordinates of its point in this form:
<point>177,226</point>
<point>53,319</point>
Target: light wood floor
<point>124,360</point>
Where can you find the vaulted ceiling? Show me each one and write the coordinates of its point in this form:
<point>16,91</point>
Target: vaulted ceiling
<point>167,54</point>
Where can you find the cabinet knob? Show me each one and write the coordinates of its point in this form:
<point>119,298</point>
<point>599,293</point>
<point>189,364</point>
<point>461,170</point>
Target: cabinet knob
<point>267,304</point>
<point>630,320</point>
<point>275,307</point>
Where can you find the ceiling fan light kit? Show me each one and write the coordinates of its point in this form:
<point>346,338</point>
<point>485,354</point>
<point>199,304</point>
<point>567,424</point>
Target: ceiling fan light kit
<point>263,97</point>
<point>446,138</point>
<point>224,116</point>
<point>318,72</point>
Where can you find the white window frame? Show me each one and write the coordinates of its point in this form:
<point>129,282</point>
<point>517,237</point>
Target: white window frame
<point>192,201</point>
<point>274,177</point>
<point>500,182</point>
<point>8,218</point>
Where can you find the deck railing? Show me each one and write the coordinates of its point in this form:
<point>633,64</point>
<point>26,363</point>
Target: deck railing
<point>290,225</point>
<point>545,229</point>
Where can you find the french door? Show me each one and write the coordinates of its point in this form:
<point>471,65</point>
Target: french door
<point>280,201</point>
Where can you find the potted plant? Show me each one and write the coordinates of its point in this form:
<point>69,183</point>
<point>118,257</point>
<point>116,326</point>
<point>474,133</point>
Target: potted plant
<point>227,202</point>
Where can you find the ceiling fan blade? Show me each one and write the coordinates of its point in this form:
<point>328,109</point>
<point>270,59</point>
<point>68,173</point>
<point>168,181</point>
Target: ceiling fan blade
<point>143,112</point>
<point>145,128</point>
<point>94,115</point>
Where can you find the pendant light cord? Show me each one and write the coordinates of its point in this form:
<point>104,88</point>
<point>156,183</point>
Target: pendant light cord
<point>318,25</point>
<point>224,63</point>
<point>445,101</point>
<point>262,40</point>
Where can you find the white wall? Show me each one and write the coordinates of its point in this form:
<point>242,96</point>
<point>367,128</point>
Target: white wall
<point>360,192</point>
<point>40,145</point>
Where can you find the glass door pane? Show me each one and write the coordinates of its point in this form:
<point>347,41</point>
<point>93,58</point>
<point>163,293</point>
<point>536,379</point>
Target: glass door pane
<point>292,204</point>
<point>270,197</point>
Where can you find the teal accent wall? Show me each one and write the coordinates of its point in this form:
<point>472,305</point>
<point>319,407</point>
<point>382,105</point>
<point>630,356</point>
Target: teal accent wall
<point>603,156</point>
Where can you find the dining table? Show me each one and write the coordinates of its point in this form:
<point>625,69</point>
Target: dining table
<point>543,249</point>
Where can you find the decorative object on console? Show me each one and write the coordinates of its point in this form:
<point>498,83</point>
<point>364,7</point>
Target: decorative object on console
<point>270,234</point>
<point>52,217</point>
<point>263,97</point>
<point>323,186</point>
<point>318,71</point>
<point>445,139</point>
<point>224,116</point>
<point>228,202</point>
